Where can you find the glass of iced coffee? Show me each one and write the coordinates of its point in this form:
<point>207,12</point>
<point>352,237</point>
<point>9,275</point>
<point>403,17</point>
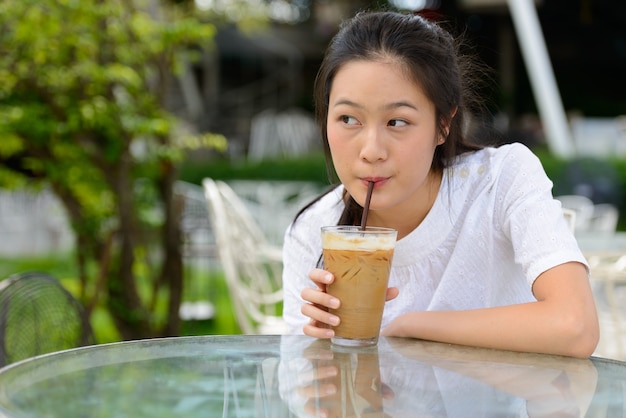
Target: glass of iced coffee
<point>360,260</point>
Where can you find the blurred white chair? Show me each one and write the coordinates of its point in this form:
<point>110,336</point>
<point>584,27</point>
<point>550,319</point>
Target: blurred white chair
<point>291,132</point>
<point>582,206</point>
<point>604,218</point>
<point>274,204</point>
<point>590,218</point>
<point>570,218</point>
<point>198,250</point>
<point>609,270</point>
<point>198,240</point>
<point>252,266</point>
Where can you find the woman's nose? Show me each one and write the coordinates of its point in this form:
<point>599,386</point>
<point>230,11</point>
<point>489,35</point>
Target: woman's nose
<point>373,145</point>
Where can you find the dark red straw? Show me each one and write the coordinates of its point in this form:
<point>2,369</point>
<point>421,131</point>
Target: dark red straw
<point>366,208</point>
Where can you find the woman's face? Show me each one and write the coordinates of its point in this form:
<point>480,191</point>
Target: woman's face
<point>381,128</point>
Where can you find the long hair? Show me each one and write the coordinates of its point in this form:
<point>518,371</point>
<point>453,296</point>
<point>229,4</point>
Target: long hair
<point>433,60</point>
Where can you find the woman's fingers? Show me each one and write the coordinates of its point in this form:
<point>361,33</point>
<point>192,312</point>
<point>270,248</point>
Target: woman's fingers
<point>392,293</point>
<point>321,277</point>
<point>320,298</point>
<point>320,318</point>
<point>317,330</point>
<point>319,302</point>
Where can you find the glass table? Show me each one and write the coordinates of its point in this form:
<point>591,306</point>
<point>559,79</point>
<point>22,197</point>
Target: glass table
<point>293,376</point>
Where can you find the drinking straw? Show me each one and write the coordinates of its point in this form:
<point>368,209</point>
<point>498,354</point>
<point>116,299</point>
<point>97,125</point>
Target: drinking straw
<point>366,208</point>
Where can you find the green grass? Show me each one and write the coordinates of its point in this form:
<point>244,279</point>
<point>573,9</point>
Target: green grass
<point>200,285</point>
<point>62,266</point>
<point>306,168</point>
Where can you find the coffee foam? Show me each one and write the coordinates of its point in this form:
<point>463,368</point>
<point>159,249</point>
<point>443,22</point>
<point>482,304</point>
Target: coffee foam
<point>357,241</point>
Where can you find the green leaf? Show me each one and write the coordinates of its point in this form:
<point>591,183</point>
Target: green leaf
<point>10,144</point>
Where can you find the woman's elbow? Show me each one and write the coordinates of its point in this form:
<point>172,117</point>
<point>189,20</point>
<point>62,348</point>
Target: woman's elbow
<point>581,336</point>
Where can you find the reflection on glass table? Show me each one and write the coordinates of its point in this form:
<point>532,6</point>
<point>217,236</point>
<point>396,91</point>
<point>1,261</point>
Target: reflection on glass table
<point>294,376</point>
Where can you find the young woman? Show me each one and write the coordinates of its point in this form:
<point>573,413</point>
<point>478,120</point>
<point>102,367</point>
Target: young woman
<point>484,256</point>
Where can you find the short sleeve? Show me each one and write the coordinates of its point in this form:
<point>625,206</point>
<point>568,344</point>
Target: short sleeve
<point>530,216</point>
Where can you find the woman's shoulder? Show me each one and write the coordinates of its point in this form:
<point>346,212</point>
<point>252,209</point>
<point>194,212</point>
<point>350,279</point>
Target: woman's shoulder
<point>514,150</point>
<point>513,156</point>
<point>490,167</point>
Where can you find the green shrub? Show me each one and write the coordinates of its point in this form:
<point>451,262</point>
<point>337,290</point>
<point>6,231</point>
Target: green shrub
<point>307,168</point>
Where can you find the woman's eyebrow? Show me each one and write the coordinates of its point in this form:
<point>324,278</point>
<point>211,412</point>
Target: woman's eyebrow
<point>389,106</point>
<point>396,105</point>
<point>347,102</point>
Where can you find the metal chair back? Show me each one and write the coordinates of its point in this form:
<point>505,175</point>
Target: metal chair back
<point>38,316</point>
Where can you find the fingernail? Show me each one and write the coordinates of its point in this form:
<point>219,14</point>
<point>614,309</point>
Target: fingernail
<point>328,278</point>
<point>334,320</point>
<point>333,302</point>
<point>329,333</point>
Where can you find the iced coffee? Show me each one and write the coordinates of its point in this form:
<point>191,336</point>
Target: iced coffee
<point>360,260</point>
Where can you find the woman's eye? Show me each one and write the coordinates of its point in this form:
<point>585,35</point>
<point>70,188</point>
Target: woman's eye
<point>397,122</point>
<point>348,120</point>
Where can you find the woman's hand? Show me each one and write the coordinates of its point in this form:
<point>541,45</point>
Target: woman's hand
<point>396,327</point>
<point>319,303</point>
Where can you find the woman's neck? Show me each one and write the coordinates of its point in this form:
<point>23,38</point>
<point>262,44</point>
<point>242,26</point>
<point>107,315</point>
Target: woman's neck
<point>403,220</point>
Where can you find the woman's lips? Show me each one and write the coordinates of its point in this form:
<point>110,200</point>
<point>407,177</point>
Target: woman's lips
<point>378,181</point>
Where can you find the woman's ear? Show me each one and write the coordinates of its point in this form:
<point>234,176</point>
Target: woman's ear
<point>446,126</point>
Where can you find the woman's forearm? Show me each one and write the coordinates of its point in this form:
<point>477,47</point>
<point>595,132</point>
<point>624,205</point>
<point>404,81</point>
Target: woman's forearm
<point>529,327</point>
<point>562,321</point>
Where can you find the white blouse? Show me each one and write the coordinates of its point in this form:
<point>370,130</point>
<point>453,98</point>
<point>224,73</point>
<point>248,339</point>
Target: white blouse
<point>493,229</point>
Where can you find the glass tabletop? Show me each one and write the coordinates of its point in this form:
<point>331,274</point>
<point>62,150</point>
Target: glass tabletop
<point>294,376</point>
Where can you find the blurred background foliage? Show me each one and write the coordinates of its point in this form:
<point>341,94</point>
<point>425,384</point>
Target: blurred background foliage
<point>82,87</point>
